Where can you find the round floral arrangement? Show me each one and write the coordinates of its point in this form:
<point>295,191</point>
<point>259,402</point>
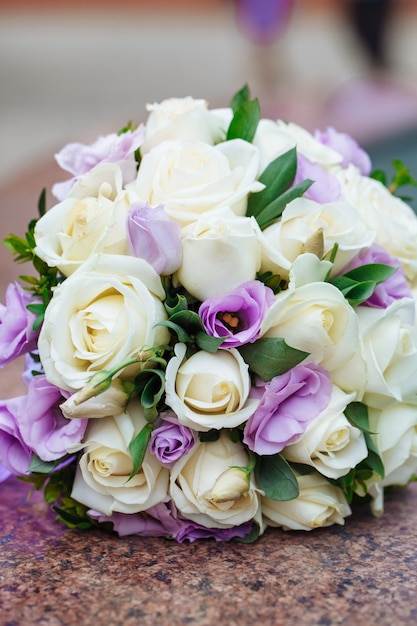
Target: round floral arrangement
<point>221,333</point>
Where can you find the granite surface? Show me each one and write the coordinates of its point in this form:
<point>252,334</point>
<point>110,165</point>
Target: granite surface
<point>363,573</point>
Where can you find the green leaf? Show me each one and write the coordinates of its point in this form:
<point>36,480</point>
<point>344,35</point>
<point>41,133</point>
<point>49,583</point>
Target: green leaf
<point>250,537</point>
<point>239,98</point>
<point>276,478</point>
<point>188,320</point>
<point>275,209</point>
<point>179,304</point>
<point>273,281</point>
<point>379,175</point>
<point>208,343</point>
<point>357,414</point>
<point>41,208</point>
<point>277,178</point>
<point>377,272</point>
<point>138,447</point>
<point>153,389</point>
<point>181,334</point>
<point>354,292</point>
<point>271,356</point>
<point>41,467</point>
<point>373,459</point>
<point>245,121</point>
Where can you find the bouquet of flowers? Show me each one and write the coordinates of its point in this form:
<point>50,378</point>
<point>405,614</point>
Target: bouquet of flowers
<point>221,334</point>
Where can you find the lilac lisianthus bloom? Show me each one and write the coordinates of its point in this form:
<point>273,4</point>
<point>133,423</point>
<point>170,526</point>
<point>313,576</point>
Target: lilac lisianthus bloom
<point>191,531</point>
<point>347,147</point>
<point>154,237</point>
<point>289,403</point>
<point>325,188</point>
<point>17,336</point>
<point>238,316</point>
<point>78,158</point>
<point>170,440</point>
<point>43,427</point>
<point>394,288</point>
<point>4,474</point>
<point>15,454</point>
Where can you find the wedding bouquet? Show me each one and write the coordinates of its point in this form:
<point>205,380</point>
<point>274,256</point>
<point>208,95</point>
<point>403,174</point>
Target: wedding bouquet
<point>221,333</point>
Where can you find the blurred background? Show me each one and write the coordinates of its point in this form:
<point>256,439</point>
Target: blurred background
<point>70,71</point>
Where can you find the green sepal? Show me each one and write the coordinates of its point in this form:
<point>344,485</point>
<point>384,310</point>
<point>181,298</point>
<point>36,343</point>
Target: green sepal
<point>245,121</point>
<point>277,178</point>
<point>239,98</point>
<point>271,356</point>
<point>275,209</point>
<point>276,478</point>
<point>138,447</point>
<point>271,280</point>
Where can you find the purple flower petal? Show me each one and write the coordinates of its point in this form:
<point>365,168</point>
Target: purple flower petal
<point>171,440</point>
<point>347,147</point>
<point>325,188</point>
<point>17,336</point>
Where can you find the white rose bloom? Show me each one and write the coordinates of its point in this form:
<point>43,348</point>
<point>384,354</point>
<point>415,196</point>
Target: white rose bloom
<point>181,118</point>
<point>100,316</point>
<point>330,443</point>
<point>389,339</point>
<point>101,481</point>
<point>302,219</point>
<point>394,222</point>
<point>219,253</point>
<point>318,504</point>
<point>276,138</point>
<point>395,436</point>
<point>191,178</point>
<point>317,318</point>
<point>209,390</point>
<point>193,479</point>
<point>92,219</point>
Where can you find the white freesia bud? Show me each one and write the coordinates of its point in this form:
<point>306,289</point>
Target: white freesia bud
<point>110,402</point>
<point>231,485</point>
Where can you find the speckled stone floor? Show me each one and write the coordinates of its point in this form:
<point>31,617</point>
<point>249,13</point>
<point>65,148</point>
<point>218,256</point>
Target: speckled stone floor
<point>361,574</point>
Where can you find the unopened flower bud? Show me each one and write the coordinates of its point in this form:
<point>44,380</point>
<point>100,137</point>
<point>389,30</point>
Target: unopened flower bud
<point>97,384</point>
<point>112,401</point>
<point>231,485</point>
<point>315,244</point>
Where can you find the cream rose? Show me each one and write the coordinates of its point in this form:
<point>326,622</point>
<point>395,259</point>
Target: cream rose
<point>194,477</point>
<point>101,481</point>
<point>317,318</point>
<point>336,222</point>
<point>219,253</point>
<point>276,138</point>
<point>389,339</point>
<point>394,222</point>
<point>92,219</point>
<point>102,315</point>
<point>181,118</point>
<point>318,504</point>
<point>330,443</point>
<point>209,390</point>
<point>191,178</point>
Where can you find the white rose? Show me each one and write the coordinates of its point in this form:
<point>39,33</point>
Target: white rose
<point>99,317</point>
<point>180,118</point>
<point>389,339</point>
<point>394,222</point>
<point>209,390</point>
<point>338,222</point>
<point>330,443</point>
<point>193,479</point>
<point>276,138</point>
<point>101,481</point>
<point>219,253</point>
<point>92,219</point>
<point>318,504</point>
<point>191,178</point>
<point>317,318</point>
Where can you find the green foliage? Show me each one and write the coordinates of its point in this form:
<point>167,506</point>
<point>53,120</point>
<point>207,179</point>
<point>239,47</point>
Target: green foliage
<point>273,281</point>
<point>150,386</point>
<point>246,116</point>
<point>186,326</point>
<point>138,447</point>
<point>359,284</point>
<point>400,178</point>
<point>271,356</point>
<point>276,478</point>
<point>268,205</point>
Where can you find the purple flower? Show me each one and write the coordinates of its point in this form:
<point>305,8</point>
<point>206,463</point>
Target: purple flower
<point>154,237</point>
<point>347,147</point>
<point>394,288</point>
<point>79,158</point>
<point>15,455</point>
<point>262,21</point>
<point>43,427</point>
<point>289,403</point>
<point>16,325</point>
<point>157,521</point>
<point>170,440</point>
<point>238,316</point>
<point>191,531</point>
<point>4,474</point>
<point>326,187</point>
